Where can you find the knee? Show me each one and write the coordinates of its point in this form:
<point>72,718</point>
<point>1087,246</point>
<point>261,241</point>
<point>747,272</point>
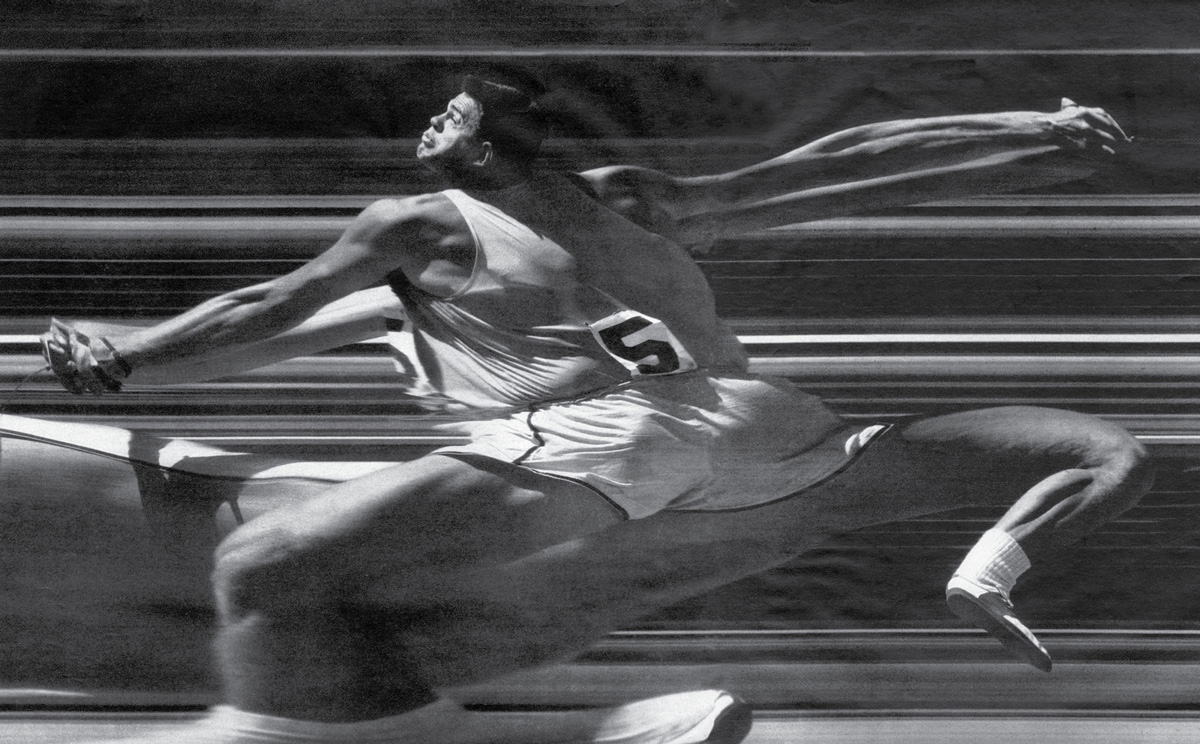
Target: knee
<point>267,569</point>
<point>1124,463</point>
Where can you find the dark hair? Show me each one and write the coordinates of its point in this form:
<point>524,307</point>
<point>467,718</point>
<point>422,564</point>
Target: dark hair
<point>511,120</point>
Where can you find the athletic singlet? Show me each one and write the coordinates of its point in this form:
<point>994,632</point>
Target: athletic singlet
<point>565,297</point>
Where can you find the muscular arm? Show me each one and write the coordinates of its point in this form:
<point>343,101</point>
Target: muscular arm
<point>865,169</point>
<point>254,325</point>
<point>357,317</point>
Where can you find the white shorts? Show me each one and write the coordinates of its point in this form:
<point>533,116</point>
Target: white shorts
<point>691,442</point>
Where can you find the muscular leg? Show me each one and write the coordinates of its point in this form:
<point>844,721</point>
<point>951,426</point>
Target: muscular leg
<point>321,621</point>
<point>300,640</point>
<point>1106,473</point>
<point>1061,474</point>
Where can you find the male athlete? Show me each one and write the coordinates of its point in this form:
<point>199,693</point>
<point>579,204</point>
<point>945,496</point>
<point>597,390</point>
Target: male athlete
<point>623,459</point>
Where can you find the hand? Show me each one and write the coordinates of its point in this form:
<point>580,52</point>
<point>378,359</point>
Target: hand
<point>75,363</point>
<point>1086,128</point>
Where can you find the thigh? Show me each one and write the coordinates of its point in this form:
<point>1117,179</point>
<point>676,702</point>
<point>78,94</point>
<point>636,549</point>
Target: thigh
<point>386,530</point>
<point>553,602</point>
<point>987,457</point>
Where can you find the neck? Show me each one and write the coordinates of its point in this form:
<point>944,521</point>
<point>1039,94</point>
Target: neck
<point>495,177</point>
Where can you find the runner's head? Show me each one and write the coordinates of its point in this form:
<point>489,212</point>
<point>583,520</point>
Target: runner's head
<point>488,124</point>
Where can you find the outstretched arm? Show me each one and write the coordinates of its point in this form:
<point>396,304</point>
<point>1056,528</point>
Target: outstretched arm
<point>352,319</point>
<point>257,320</point>
<point>865,169</point>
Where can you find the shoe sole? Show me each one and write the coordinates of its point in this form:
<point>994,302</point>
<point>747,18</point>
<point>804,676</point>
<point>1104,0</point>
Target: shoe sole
<point>1025,647</point>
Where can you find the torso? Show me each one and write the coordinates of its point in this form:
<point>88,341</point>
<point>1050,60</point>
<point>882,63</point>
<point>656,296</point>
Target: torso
<point>541,293</point>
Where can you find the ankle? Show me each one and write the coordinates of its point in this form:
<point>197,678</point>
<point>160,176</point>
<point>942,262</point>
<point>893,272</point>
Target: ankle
<point>994,563</point>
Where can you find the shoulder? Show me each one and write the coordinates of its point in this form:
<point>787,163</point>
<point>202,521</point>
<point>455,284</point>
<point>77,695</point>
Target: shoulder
<point>423,209</point>
<point>421,218</point>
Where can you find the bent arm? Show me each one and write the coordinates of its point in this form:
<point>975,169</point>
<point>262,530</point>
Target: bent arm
<point>866,168</point>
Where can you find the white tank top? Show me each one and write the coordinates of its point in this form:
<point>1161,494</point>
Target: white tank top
<point>565,297</point>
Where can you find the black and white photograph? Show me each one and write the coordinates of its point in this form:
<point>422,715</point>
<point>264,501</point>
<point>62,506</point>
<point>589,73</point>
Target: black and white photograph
<point>599,372</point>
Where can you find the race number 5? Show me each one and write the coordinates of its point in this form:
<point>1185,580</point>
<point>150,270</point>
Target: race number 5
<point>643,345</point>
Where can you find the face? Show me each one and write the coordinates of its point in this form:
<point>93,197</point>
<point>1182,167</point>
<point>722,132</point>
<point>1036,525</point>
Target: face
<point>449,143</point>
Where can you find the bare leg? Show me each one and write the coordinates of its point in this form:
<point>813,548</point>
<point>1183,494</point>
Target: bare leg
<point>297,638</point>
<point>1067,472</point>
<point>344,608</point>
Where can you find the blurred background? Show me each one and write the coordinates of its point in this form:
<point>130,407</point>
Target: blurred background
<point>157,152</point>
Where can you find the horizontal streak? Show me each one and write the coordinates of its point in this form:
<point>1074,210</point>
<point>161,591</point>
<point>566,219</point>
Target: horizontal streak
<point>374,372</point>
<point>409,430</point>
<point>983,338</point>
<point>300,225</point>
<point>335,201</point>
<point>942,227</point>
<point>883,338</point>
<point>1020,224</point>
<point>949,365</point>
<point>329,201</point>
<point>1067,200</point>
<point>895,634</point>
<point>571,52</point>
<point>941,260</point>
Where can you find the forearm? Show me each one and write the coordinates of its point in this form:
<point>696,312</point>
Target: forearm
<point>997,173</point>
<point>865,169</point>
<point>239,318</point>
<point>233,328</point>
<point>880,150</point>
<point>356,318</point>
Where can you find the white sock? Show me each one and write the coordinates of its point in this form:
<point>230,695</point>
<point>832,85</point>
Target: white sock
<point>428,723</point>
<point>995,563</point>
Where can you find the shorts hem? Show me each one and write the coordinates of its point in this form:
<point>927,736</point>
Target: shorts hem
<point>820,481</point>
<point>465,454</point>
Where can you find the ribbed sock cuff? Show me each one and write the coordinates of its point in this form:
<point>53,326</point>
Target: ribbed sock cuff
<point>995,563</point>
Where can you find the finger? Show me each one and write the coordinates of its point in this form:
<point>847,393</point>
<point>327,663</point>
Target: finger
<point>46,340</point>
<point>1067,103</point>
<point>56,347</point>
<point>1104,118</point>
<point>1071,132</point>
<point>1108,149</point>
<point>85,365</point>
<point>1115,125</point>
<point>62,366</point>
<point>60,331</point>
<point>54,352</point>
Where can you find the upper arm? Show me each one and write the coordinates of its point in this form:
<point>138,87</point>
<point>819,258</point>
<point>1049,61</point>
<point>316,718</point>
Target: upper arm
<point>388,235</point>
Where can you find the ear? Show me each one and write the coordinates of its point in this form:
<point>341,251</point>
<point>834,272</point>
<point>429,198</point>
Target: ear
<point>484,155</point>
